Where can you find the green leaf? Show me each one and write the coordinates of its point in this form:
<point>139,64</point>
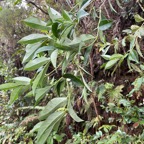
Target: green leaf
<point>86,85</point>
<point>106,57</point>
<point>30,50</point>
<point>47,126</point>
<point>22,80</point>
<point>15,94</point>
<point>60,86</point>
<point>82,13</point>
<point>36,23</point>
<point>111,63</point>
<point>34,38</point>
<point>85,4</point>
<point>138,18</point>
<point>41,92</point>
<point>75,79</point>
<point>66,32</point>
<point>36,63</point>
<point>36,127</point>
<point>138,48</point>
<point>8,86</point>
<point>133,56</point>
<point>66,16</point>
<point>82,38</point>
<point>52,106</point>
<point>116,56</point>
<point>54,15</point>
<point>43,49</point>
<point>55,29</point>
<point>53,57</point>
<point>39,78</point>
<point>105,24</point>
<point>85,95</point>
<point>73,114</point>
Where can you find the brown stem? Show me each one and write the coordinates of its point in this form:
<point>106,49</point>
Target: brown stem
<point>91,66</point>
<point>96,109</point>
<point>30,2</point>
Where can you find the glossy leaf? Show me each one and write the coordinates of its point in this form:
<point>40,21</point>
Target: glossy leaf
<point>55,29</point>
<point>66,16</point>
<point>41,92</point>
<point>138,18</point>
<point>133,56</point>
<point>53,57</point>
<point>75,79</point>
<point>111,63</point>
<point>82,13</point>
<point>60,87</point>
<point>48,125</point>
<point>36,63</point>
<point>33,38</point>
<point>15,94</point>
<point>86,85</point>
<point>52,106</point>
<point>39,78</point>
<point>85,4</point>
<point>8,86</point>
<point>30,50</point>
<point>22,80</point>
<point>36,127</point>
<point>105,24</point>
<point>36,23</point>
<point>73,114</point>
<point>54,15</point>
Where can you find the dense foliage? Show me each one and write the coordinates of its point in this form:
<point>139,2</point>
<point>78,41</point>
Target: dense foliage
<point>84,76</point>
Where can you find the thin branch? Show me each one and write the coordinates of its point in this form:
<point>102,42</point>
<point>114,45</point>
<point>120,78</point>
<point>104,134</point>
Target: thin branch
<point>30,2</point>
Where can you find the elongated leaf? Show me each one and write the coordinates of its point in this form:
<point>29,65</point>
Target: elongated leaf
<point>82,38</point>
<point>138,48</point>
<point>55,29</point>
<point>8,86</point>
<point>111,63</point>
<point>46,135</point>
<point>22,80</point>
<point>36,127</point>
<point>82,13</point>
<point>53,57</point>
<point>36,23</point>
<point>66,32</point>
<point>15,94</point>
<point>36,63</point>
<point>119,4</point>
<point>73,114</point>
<point>105,24</point>
<point>52,106</point>
<point>39,78</point>
<point>30,50</point>
<point>33,38</point>
<point>48,125</point>
<point>86,85</point>
<point>85,4</point>
<point>60,87</point>
<point>112,8</point>
<point>66,16</point>
<point>75,79</point>
<point>45,48</point>
<point>133,56</point>
<point>54,15</point>
<point>41,92</point>
<point>116,56</point>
